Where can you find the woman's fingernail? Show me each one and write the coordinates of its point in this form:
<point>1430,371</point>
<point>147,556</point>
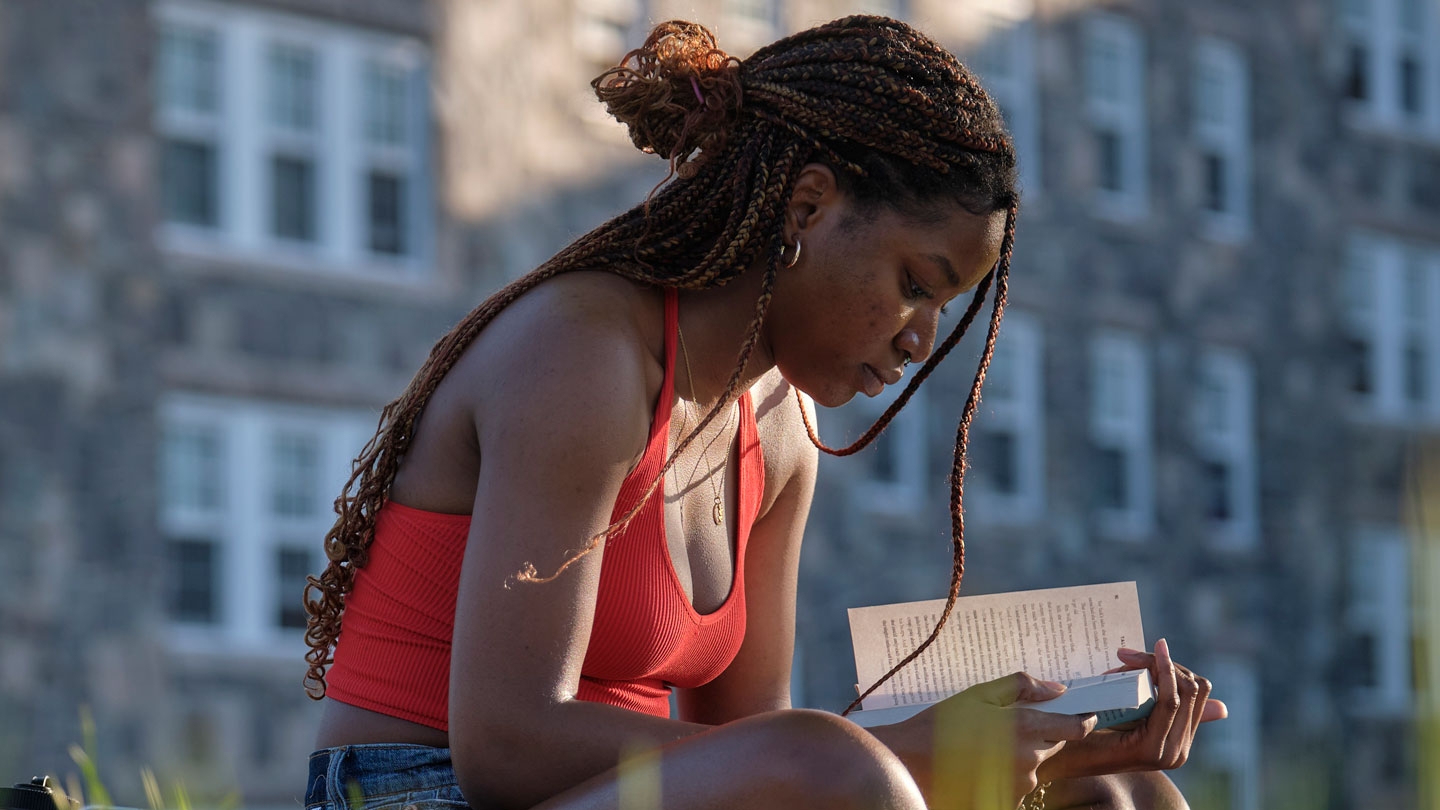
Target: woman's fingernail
<point>1128,651</point>
<point>1054,685</point>
<point>1162,646</point>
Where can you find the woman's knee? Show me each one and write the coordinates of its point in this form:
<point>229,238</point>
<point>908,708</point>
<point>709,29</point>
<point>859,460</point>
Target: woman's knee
<point>1142,790</point>
<point>831,762</point>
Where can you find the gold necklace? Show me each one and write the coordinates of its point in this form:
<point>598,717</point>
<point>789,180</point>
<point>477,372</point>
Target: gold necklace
<point>717,509</point>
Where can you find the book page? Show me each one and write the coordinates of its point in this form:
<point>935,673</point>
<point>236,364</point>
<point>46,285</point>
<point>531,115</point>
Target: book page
<point>1054,634</point>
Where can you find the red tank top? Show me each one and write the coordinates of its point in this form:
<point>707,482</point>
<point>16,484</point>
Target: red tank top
<point>393,654</point>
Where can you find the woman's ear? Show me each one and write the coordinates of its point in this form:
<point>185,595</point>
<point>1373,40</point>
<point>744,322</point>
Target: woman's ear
<point>816,191</point>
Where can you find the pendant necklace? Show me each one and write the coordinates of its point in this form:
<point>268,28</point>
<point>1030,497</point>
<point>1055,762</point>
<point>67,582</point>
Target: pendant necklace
<point>717,509</point>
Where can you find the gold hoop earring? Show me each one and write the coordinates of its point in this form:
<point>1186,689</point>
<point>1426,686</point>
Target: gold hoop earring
<point>795,259</point>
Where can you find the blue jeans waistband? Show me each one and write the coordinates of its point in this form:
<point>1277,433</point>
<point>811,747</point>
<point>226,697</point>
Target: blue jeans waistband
<point>360,777</point>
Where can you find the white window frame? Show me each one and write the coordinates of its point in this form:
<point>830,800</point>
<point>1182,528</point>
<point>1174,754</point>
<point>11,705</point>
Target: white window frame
<point>1386,325</point>
<point>1020,345</point>
<point>342,154</point>
<point>1231,442</point>
<point>1124,114</point>
<point>1385,35</point>
<point>1235,746</point>
<point>1010,33</point>
<point>1378,603</point>
<point>245,529</point>
<point>1224,64</point>
<point>904,443</point>
<point>1121,419</point>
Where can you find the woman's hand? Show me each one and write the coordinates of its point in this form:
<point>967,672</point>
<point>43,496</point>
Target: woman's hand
<point>1159,742</point>
<point>974,750</point>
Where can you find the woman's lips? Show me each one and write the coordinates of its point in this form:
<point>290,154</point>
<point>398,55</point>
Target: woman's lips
<point>873,384</point>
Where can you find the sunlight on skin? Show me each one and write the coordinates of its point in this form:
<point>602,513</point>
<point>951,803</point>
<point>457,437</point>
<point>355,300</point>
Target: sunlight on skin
<point>638,779</point>
<point>1422,519</point>
<point>955,743</point>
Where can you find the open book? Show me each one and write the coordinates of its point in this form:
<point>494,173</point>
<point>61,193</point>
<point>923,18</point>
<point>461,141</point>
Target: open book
<point>1060,634</point>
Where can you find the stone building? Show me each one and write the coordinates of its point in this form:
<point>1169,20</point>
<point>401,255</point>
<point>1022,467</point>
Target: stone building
<point>230,231</point>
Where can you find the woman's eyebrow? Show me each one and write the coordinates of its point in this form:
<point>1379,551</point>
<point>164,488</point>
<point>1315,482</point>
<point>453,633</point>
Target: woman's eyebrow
<point>945,267</point>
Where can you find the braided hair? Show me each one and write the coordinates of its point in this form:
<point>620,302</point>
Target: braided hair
<point>897,117</point>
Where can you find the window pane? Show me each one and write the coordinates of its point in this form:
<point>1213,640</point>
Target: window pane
<point>191,468</point>
<point>996,450</point>
<point>1210,95</point>
<point>1416,384</point>
<point>188,182</point>
<point>1410,95</point>
<point>292,204</point>
<point>193,593</point>
<point>995,61</point>
<point>292,568</point>
<point>1215,489</point>
<point>1215,182</point>
<point>1357,74</point>
<point>1103,69</point>
<point>187,68</point>
<point>385,105</point>
<point>387,214</point>
<point>295,472</point>
<point>292,87</point>
<point>1357,360</point>
<point>1111,478</point>
<point>1112,169</point>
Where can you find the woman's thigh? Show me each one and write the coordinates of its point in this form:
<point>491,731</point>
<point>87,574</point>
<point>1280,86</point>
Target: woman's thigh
<point>790,760</point>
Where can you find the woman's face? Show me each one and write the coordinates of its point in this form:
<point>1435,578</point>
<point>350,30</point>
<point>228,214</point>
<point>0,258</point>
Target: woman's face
<point>868,288</point>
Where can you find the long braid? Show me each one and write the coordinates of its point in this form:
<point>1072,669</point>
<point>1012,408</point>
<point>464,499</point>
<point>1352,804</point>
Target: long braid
<point>895,114</point>
<point>1001,274</point>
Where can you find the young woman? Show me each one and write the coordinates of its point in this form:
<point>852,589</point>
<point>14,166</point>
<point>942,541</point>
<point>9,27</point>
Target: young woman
<point>632,421</point>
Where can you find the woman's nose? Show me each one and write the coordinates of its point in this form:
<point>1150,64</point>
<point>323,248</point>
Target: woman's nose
<point>913,344</point>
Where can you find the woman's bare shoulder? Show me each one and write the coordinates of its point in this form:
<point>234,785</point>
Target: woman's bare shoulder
<point>789,454</point>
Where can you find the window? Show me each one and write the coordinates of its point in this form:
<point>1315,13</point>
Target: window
<point>1390,70</point>
<point>189,108</point>
<point>1115,101</point>
<point>1225,444</point>
<point>1006,64</point>
<point>244,492</point>
<point>1377,618</point>
<point>893,477</point>
<point>1390,310</point>
<point>1120,434</point>
<point>292,141</point>
<point>1221,108</point>
<point>293,100</point>
<point>1007,441</point>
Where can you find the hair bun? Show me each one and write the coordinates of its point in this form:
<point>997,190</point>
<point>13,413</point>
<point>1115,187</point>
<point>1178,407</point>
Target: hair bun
<point>676,93</point>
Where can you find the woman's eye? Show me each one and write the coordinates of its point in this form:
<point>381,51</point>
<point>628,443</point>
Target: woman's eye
<point>915,291</point>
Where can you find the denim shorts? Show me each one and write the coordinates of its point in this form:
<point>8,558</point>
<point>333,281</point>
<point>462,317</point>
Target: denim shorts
<point>383,776</point>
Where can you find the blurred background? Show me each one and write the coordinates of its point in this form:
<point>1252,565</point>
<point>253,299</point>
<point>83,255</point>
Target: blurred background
<point>230,232</point>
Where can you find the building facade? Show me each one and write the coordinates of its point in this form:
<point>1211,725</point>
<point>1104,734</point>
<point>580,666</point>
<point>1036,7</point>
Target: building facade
<point>230,232</point>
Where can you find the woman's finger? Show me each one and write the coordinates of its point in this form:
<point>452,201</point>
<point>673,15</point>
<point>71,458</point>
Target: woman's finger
<point>1177,741</point>
<point>1214,710</point>
<point>1167,701</point>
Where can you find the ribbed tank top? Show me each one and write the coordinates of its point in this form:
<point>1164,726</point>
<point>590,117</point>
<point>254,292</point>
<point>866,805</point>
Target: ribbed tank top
<point>393,653</point>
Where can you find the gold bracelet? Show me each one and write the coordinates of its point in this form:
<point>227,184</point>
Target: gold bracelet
<point>1035,799</point>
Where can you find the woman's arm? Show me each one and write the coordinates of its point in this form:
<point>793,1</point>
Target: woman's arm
<point>563,412</point>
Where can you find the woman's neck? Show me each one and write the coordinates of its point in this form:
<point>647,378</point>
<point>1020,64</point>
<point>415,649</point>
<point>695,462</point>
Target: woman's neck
<point>715,323</point>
